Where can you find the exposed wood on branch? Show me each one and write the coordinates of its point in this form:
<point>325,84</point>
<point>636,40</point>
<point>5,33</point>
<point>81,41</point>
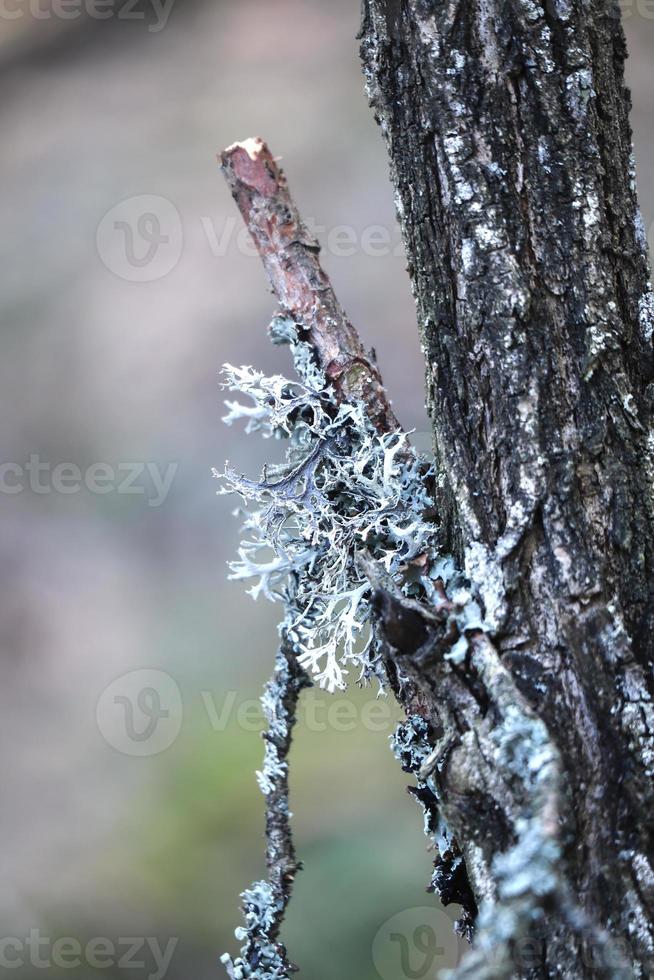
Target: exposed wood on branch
<point>302,287</point>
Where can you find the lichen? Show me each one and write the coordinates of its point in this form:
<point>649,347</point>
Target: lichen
<point>410,743</point>
<point>646,313</point>
<point>412,747</point>
<point>344,487</point>
<point>260,908</point>
<point>528,872</point>
<point>262,956</point>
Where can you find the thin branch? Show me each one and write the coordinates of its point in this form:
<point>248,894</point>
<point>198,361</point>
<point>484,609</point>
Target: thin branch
<point>290,258</point>
<point>265,902</point>
<point>280,703</point>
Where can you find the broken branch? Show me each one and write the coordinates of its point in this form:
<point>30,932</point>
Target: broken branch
<point>302,287</point>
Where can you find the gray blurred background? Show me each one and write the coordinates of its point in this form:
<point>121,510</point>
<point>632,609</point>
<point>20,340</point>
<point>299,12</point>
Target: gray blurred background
<point>128,730</point>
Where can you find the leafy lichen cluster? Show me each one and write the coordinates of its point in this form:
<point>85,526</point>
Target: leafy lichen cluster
<point>345,487</point>
<point>260,908</point>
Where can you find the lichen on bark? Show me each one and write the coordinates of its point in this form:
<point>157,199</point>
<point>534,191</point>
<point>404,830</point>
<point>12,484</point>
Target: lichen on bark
<point>526,670</point>
<point>510,150</point>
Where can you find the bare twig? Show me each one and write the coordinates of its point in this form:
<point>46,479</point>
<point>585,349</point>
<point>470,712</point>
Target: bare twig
<point>302,287</point>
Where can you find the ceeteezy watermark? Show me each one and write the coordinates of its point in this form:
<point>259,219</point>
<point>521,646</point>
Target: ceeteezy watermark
<point>341,241</point>
<point>149,480</point>
<point>153,14</point>
<point>143,953</point>
<point>415,944</point>
<point>141,713</point>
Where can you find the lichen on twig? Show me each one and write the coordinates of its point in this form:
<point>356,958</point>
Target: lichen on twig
<point>351,482</point>
<point>344,534</point>
<point>262,955</point>
<point>345,486</point>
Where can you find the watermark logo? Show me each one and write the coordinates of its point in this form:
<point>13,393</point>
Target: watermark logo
<point>145,953</point>
<point>141,239</point>
<point>150,480</point>
<point>141,713</point>
<point>415,944</point>
<point>153,12</point>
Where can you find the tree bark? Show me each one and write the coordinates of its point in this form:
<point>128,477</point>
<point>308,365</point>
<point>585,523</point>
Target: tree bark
<point>510,149</point>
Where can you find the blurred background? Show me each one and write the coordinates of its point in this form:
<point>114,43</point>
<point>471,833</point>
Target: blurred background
<point>131,667</point>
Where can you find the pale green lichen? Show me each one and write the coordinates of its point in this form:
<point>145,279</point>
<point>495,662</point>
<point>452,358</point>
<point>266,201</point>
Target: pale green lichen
<point>260,958</point>
<point>344,487</point>
<point>262,955</point>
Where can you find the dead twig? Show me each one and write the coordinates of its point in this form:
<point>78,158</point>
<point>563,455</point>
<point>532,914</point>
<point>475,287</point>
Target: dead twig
<point>290,257</point>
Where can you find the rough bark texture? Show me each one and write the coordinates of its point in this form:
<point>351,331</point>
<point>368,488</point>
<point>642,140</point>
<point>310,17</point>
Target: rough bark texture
<point>510,147</point>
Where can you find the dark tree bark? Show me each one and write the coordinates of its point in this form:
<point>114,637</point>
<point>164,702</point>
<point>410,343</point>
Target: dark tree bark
<point>510,147</point>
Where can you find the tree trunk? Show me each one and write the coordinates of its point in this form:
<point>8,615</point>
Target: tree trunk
<point>510,147</point>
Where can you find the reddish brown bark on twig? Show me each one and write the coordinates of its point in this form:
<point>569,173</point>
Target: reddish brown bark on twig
<point>290,258</point>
